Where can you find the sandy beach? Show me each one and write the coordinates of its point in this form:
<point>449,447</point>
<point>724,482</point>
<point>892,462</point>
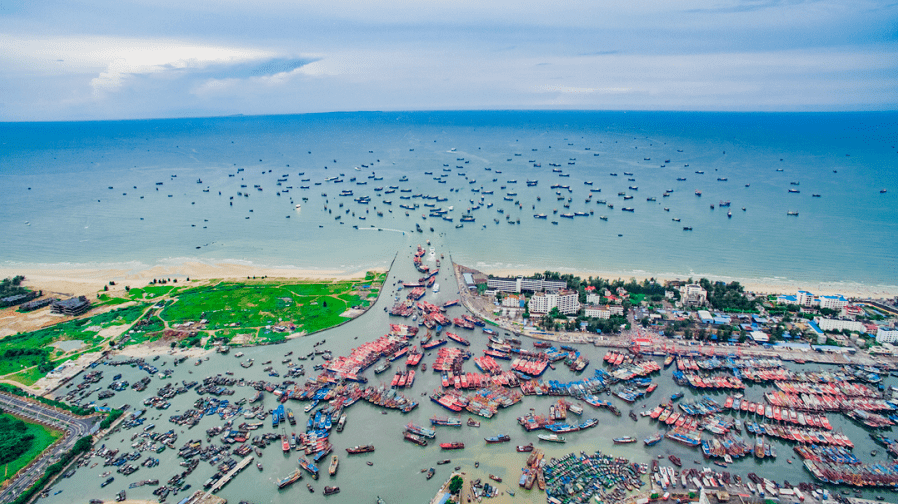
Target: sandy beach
<point>67,282</point>
<point>766,286</point>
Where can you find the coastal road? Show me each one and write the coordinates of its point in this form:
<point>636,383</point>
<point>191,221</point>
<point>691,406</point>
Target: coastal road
<point>75,428</point>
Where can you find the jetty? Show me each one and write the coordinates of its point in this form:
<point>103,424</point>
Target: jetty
<point>201,497</point>
<point>233,472</point>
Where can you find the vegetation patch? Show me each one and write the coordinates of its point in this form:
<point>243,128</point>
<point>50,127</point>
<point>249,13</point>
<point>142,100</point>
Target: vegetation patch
<point>34,349</point>
<point>21,442</point>
<point>272,309</point>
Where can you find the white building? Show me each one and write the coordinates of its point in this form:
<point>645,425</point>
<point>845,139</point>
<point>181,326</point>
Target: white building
<point>597,311</point>
<point>524,284</point>
<point>616,310</point>
<point>807,299</point>
<point>804,298</point>
<point>512,301</point>
<point>828,324</point>
<point>693,295</point>
<point>759,336</point>
<point>566,301</point>
<point>831,302</point>
<point>886,335</point>
<point>593,298</point>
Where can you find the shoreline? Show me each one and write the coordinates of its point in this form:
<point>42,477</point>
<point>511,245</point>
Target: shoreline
<point>76,280</point>
<point>86,281</point>
<point>758,286</point>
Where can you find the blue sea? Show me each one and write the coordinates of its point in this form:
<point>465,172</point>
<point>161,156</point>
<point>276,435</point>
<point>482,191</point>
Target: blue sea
<point>141,193</point>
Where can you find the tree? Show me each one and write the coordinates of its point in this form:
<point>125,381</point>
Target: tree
<point>455,484</point>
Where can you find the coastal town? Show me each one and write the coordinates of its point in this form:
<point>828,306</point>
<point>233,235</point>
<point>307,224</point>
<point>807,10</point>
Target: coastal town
<point>580,353</point>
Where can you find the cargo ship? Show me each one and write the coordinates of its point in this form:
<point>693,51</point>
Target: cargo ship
<point>289,480</point>
<point>501,438</point>
<point>455,445</point>
<point>360,449</point>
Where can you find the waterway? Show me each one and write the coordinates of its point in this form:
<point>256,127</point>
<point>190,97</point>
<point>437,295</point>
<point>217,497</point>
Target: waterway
<point>396,472</point>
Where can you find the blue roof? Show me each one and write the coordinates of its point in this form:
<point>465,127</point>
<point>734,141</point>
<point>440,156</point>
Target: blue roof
<point>815,327</point>
<point>444,498</point>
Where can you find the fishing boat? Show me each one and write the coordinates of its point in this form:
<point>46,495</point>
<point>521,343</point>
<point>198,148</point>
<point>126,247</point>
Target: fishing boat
<point>553,438</point>
<point>455,445</point>
<point>624,440</point>
<point>652,440</point>
<point>524,449</point>
<point>355,450</point>
<point>332,470</point>
<point>330,490</point>
<point>289,480</point>
<point>501,438</point>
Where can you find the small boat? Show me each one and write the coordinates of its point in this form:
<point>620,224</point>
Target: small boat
<point>553,438</point>
<point>501,438</point>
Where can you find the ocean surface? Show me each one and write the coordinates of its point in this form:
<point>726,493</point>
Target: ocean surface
<point>396,473</point>
<point>135,194</point>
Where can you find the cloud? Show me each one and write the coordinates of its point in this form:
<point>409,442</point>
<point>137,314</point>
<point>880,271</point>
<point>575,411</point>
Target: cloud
<point>176,59</point>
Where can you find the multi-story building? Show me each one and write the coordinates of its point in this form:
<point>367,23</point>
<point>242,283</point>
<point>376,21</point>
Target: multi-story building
<point>693,295</point>
<point>520,284</point>
<point>512,301</point>
<point>828,324</point>
<point>593,298</point>
<point>597,311</point>
<point>807,299</point>
<point>887,335</point>
<point>567,302</point>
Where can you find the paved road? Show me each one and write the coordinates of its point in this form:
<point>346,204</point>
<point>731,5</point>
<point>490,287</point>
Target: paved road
<point>75,428</point>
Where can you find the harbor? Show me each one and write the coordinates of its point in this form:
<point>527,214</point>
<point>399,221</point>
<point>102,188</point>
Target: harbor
<point>708,430</point>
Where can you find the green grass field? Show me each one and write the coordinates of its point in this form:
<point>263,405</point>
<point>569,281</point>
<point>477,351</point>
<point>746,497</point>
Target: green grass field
<point>230,308</point>
<point>43,437</point>
<point>85,330</point>
<point>235,308</point>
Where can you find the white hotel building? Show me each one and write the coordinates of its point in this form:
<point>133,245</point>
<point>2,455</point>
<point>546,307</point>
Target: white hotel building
<point>524,284</point>
<point>567,302</point>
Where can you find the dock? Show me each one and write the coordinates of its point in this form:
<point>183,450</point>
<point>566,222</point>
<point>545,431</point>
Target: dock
<point>233,472</point>
<point>201,497</point>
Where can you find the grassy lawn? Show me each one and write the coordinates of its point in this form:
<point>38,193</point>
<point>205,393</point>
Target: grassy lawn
<point>43,437</point>
<point>34,348</point>
<point>258,306</point>
<point>150,292</point>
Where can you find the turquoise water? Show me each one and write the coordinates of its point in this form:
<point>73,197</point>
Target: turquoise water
<point>56,177</point>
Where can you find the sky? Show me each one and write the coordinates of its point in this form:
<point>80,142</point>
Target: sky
<point>132,59</point>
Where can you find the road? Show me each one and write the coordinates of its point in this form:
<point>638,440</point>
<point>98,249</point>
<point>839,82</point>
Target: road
<point>75,428</point>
